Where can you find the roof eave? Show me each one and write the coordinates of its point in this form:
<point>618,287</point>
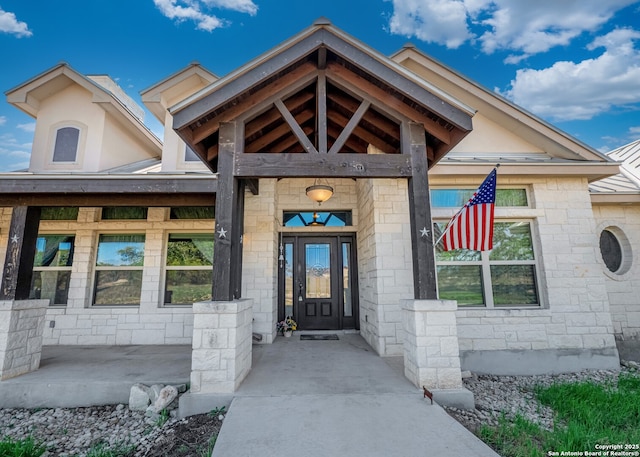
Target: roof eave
<point>593,171</point>
<point>544,128</point>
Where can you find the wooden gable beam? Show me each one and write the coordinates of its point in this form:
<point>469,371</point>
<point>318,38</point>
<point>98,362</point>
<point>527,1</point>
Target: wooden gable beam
<point>367,90</point>
<point>282,130</point>
<point>321,104</point>
<point>280,84</point>
<point>345,165</point>
<point>289,141</point>
<point>351,143</point>
<point>362,133</point>
<point>350,127</point>
<point>295,127</point>
<point>381,122</point>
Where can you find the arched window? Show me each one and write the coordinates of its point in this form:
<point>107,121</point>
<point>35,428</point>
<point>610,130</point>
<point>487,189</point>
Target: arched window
<point>66,145</point>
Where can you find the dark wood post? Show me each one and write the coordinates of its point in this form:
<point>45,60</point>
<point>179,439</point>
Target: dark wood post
<point>424,266</point>
<point>21,249</point>
<point>227,250</point>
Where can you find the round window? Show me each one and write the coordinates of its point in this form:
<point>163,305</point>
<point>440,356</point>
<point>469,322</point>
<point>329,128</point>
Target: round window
<point>611,251</point>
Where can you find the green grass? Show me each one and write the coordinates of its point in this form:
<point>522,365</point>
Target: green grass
<point>121,449</point>
<point>586,414</point>
<point>162,418</point>
<point>27,447</point>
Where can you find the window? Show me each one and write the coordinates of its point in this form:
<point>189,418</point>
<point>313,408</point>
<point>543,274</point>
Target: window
<point>316,218</point>
<point>615,249</point>
<point>52,268</point>
<point>59,213</point>
<point>503,277</point>
<point>124,212</point>
<point>611,251</point>
<point>456,198</point>
<point>119,270</point>
<point>188,268</point>
<point>192,212</point>
<point>66,145</point>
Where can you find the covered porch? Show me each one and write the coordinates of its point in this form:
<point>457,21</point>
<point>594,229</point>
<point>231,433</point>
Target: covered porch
<point>77,376</point>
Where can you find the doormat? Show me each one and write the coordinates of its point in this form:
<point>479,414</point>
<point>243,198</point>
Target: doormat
<point>332,336</point>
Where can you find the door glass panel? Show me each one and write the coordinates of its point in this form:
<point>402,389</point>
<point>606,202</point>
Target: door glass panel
<point>346,279</point>
<point>288,279</point>
<point>318,270</point>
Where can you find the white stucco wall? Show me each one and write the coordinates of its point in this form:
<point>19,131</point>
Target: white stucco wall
<point>623,288</point>
<point>70,107</point>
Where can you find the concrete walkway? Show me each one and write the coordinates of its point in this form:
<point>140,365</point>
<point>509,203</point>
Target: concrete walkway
<point>336,398</point>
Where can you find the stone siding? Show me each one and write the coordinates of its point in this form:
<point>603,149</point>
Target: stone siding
<point>21,325</point>
<point>623,288</point>
<point>575,307</point>
<point>259,258</point>
<point>80,323</point>
<point>384,262</point>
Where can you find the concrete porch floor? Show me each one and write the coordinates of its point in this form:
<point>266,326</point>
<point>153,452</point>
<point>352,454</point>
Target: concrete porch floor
<point>317,397</point>
<point>74,376</point>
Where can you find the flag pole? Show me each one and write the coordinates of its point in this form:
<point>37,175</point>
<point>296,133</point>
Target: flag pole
<point>457,215</point>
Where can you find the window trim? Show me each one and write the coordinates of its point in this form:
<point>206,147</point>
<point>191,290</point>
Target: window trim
<point>526,188</point>
<point>97,268</point>
<point>165,267</point>
<point>485,270</point>
<point>80,149</point>
<point>68,268</point>
<point>620,232</point>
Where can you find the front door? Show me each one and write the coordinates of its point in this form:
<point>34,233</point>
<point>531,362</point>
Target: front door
<point>318,281</point>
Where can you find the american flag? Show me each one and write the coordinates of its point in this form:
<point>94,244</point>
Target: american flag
<point>472,227</point>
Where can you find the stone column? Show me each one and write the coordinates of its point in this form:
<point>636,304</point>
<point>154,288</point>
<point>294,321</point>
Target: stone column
<point>431,352</point>
<point>221,356</point>
<point>21,327</point>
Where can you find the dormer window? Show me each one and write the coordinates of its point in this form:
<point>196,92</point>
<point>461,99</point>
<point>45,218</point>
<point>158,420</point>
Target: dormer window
<point>66,145</point>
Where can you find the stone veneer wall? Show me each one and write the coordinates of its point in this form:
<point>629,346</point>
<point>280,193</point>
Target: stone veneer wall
<point>78,323</point>
<point>623,289</point>
<point>575,317</point>
<point>262,225</point>
<point>259,261</point>
<point>384,262</point>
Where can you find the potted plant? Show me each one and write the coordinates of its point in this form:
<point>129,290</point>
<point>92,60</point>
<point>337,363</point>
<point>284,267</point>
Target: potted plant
<point>287,326</point>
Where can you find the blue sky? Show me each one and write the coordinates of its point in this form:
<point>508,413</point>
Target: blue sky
<point>574,63</point>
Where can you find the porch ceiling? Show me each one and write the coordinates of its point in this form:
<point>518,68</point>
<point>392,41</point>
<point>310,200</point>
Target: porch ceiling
<point>321,92</point>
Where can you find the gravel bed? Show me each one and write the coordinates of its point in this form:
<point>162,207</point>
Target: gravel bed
<point>512,395</point>
<point>73,431</point>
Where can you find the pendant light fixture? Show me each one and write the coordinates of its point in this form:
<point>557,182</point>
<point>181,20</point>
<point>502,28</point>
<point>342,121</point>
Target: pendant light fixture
<point>319,192</point>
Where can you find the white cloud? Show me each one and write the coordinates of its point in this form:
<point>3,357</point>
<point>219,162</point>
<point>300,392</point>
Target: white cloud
<point>433,21</point>
<point>10,24</point>
<point>635,131</point>
<point>3,120</point>
<point>28,127</point>
<point>525,27</point>
<point>243,6</point>
<point>570,90</point>
<point>197,11</point>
